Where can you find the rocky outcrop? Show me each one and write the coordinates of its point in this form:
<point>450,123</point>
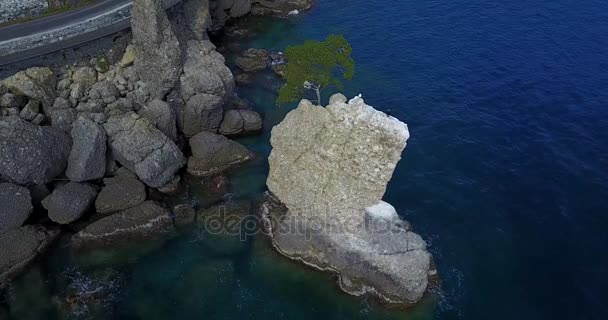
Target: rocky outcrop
<point>329,168</point>
<point>240,122</point>
<point>30,154</point>
<point>120,193</point>
<point>18,247</point>
<point>205,86</point>
<point>147,220</point>
<point>69,202</point>
<point>157,51</point>
<point>224,10</point>
<point>212,153</point>
<point>87,159</point>
<point>15,206</point>
<point>252,60</point>
<point>143,149</point>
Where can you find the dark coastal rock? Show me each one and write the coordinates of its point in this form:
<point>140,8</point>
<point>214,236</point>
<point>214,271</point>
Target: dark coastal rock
<point>69,202</point>
<point>143,149</point>
<point>205,72</point>
<point>162,116</point>
<point>120,193</point>
<point>197,18</point>
<point>240,122</point>
<point>15,206</point>
<point>252,60</point>
<point>18,247</point>
<point>157,51</point>
<point>34,83</point>
<point>30,111</point>
<point>9,100</point>
<point>63,119</point>
<point>145,221</point>
<point>279,8</point>
<point>184,216</point>
<point>212,153</point>
<point>87,159</point>
<point>31,154</point>
<point>203,112</point>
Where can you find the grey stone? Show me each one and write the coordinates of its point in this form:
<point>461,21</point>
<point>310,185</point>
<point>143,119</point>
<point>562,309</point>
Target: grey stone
<point>19,247</point>
<point>240,8</point>
<point>162,116</point>
<point>86,77</point>
<point>62,119</point>
<point>61,103</point>
<point>237,122</point>
<point>34,83</point>
<point>203,112</point>
<point>9,100</point>
<point>30,111</point>
<point>87,159</point>
<point>212,153</point>
<point>157,51</point>
<point>205,72</point>
<point>145,221</point>
<point>15,206</point>
<point>142,148</point>
<point>31,154</point>
<point>69,202</point>
<point>196,17</point>
<point>120,193</point>
<point>105,91</point>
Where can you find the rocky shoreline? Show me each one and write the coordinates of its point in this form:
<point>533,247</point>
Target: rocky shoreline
<point>94,147</point>
<point>88,145</point>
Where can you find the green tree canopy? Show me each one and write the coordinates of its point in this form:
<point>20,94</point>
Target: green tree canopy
<point>316,65</point>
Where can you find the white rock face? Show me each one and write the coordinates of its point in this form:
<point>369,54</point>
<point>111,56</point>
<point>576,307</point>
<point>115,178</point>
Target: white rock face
<point>339,157</point>
<point>329,169</point>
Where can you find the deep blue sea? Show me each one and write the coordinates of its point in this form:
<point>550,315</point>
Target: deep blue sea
<point>505,174</point>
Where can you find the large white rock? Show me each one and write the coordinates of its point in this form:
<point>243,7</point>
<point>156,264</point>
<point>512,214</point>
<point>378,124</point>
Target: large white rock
<point>329,169</point>
<point>339,157</point>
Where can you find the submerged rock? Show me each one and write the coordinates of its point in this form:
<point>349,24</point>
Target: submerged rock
<point>18,247</point>
<point>329,168</point>
<point>30,154</point>
<point>147,220</point>
<point>15,206</point>
<point>212,153</point>
<point>252,60</point>
<point>69,202</point>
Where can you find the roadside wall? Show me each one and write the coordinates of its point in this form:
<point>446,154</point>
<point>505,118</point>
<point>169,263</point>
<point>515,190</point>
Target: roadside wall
<point>14,9</point>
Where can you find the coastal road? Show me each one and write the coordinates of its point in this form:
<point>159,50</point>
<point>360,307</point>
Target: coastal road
<point>42,26</point>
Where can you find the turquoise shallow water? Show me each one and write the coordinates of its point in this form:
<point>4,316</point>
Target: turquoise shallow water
<point>505,176</point>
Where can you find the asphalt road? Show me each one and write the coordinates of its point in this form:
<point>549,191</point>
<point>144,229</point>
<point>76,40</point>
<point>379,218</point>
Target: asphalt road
<point>59,20</point>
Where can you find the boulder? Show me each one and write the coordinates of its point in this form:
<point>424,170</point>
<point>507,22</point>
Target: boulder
<point>143,149</point>
<point>30,111</point>
<point>329,168</point>
<point>120,193</point>
<point>35,83</point>
<point>162,116</point>
<point>69,202</point>
<point>157,51</point>
<point>9,100</point>
<point>240,8</point>
<point>212,153</point>
<point>203,112</point>
<point>252,60</point>
<point>145,221</point>
<point>196,17</point>
<point>128,57</point>
<point>15,206</point>
<point>86,77</point>
<point>205,72</point>
<point>31,154</point>
<point>62,119</point>
<point>104,91</point>
<point>18,247</point>
<point>87,159</point>
<point>239,122</point>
